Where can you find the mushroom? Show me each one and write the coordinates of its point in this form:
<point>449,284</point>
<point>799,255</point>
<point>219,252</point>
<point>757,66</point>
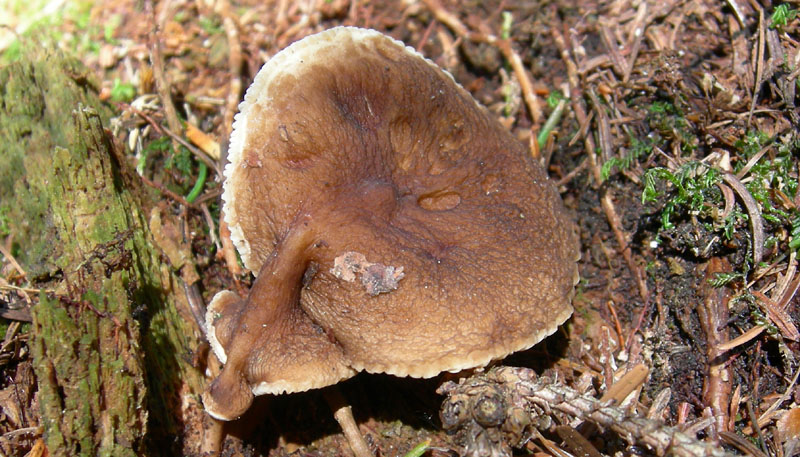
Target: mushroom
<point>393,225</point>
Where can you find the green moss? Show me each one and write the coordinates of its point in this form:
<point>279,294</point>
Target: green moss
<point>33,117</point>
<point>637,149</point>
<point>69,205</point>
<point>693,189</point>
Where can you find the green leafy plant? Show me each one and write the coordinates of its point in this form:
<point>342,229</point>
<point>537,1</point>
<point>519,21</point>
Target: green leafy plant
<point>554,98</point>
<point>122,92</point>
<point>202,173</point>
<point>694,184</point>
<point>767,168</point>
<point>638,148</point>
<point>508,21</point>
<point>181,161</point>
<point>419,449</point>
<point>671,125</point>
<point>782,15</point>
<point>210,26</point>
<point>771,174</point>
<point>162,144</point>
<point>110,28</point>
<point>751,144</point>
<point>557,102</point>
<point>795,231</point>
<point>723,279</point>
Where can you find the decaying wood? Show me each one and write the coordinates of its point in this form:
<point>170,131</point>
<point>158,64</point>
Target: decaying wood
<point>112,343</point>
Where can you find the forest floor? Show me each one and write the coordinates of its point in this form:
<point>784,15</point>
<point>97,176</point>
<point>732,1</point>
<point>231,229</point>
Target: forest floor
<point>676,150</point>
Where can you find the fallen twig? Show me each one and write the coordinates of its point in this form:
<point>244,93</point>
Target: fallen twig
<point>163,189</point>
<point>7,254</point>
<point>577,104</point>
<point>234,66</point>
<point>713,315</point>
<point>492,411</point>
<point>503,45</point>
<point>759,64</point>
<point>753,211</point>
<point>157,61</point>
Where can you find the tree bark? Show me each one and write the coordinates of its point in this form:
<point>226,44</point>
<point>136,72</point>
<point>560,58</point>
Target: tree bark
<point>112,336</point>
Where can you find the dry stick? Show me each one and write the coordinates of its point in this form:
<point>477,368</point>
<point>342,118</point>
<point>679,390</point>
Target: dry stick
<point>20,314</point>
<point>343,414</point>
<point>629,382</point>
<point>196,304</point>
<point>713,316</point>
<point>744,446</point>
<point>660,404</point>
<point>576,442</point>
<point>616,226</point>
<point>24,291</point>
<point>425,36</point>
<point>766,416</point>
<point>525,84</point>
<point>446,18</point>
<point>742,339</point>
<point>753,211</point>
<point>202,156</point>
<point>24,431</point>
<point>281,17</point>
<point>505,48</point>
<point>577,103</point>
<point>759,65</point>
<point>617,325</point>
<point>234,66</point>
<point>574,172</point>
<point>727,193</point>
<point>7,254</point>
<point>637,37</point>
<point>778,316</point>
<point>231,106</point>
<point>157,60</point>
<point>754,421</point>
<point>603,126</point>
<point>210,221</point>
<point>737,12</point>
<point>788,291</point>
<point>165,191</point>
<point>753,160</point>
<point>550,446</point>
<point>540,396</point>
<point>164,90</point>
<point>11,332</point>
<point>736,399</point>
<point>662,439</point>
<point>618,63</point>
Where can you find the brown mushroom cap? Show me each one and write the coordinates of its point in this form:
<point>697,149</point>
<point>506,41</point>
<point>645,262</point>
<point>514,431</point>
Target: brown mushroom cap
<point>393,224</point>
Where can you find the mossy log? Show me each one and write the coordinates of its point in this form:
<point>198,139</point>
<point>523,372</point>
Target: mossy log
<point>112,337</point>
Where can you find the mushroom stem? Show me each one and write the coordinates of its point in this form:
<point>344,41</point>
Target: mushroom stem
<point>274,293</point>
<point>343,414</point>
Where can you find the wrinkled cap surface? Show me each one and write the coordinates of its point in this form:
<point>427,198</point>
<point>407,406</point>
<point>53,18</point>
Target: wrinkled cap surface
<point>393,224</point>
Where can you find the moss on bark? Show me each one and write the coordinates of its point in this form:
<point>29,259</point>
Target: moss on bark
<point>111,346</point>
